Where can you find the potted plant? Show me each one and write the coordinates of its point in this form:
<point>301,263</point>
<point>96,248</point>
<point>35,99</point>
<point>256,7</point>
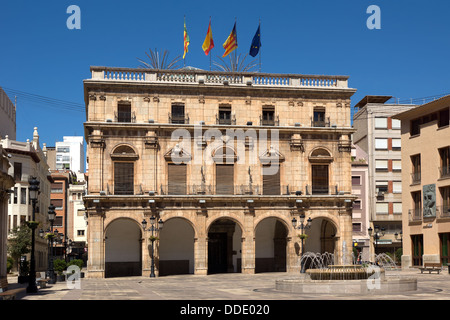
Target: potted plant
<point>60,265</point>
<point>153,238</point>
<point>303,236</point>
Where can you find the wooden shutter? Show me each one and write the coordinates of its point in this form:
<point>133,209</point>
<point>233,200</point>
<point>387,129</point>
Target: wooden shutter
<point>224,179</point>
<point>177,179</point>
<point>320,179</point>
<point>123,178</point>
<point>271,182</point>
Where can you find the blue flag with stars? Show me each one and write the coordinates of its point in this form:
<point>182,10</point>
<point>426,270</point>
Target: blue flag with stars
<point>256,43</point>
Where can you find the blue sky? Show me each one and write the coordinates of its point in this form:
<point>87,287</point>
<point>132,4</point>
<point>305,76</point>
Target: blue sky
<point>407,58</point>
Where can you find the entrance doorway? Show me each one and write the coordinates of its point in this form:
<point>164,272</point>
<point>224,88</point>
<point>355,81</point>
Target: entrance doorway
<point>224,247</point>
<point>123,249</point>
<point>270,246</point>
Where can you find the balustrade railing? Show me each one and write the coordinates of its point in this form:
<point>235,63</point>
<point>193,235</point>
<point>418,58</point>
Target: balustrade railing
<point>216,77</point>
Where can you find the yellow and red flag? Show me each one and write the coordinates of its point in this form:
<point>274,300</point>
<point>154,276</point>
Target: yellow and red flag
<point>186,39</point>
<point>231,42</point>
<point>208,44</point>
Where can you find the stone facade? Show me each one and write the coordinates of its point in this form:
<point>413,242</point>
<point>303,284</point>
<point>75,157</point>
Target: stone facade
<point>141,124</point>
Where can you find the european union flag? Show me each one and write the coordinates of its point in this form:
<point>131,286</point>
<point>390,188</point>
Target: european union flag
<point>256,43</point>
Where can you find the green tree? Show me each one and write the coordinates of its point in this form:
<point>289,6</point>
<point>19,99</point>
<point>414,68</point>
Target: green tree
<point>19,243</point>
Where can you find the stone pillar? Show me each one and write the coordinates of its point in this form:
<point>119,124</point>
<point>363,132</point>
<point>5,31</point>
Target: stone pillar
<point>293,255</point>
<point>345,234</point>
<point>201,256</point>
<point>201,244</point>
<point>96,246</point>
<point>248,245</point>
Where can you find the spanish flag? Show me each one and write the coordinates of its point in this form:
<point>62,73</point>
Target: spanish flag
<point>186,39</point>
<point>208,44</point>
<point>231,42</point>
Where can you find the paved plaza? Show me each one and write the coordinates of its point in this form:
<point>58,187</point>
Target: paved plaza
<point>230,286</point>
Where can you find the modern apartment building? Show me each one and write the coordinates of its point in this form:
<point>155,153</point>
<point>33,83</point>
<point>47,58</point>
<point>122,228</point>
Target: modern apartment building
<point>232,164</point>
<point>360,215</point>
<point>426,183</point>
<point>70,154</point>
<point>379,135</point>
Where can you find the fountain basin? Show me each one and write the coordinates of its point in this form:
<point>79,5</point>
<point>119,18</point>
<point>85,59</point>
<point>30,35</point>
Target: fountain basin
<point>345,272</point>
<point>388,285</point>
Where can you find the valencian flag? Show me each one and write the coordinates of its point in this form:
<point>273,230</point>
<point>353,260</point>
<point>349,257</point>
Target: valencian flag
<point>208,44</point>
<point>231,42</point>
<point>256,43</point>
<point>186,39</point>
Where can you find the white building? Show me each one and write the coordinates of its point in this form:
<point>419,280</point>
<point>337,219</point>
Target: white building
<point>70,154</point>
<point>28,160</point>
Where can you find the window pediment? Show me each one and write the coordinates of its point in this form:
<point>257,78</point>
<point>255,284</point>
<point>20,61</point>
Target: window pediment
<point>177,155</point>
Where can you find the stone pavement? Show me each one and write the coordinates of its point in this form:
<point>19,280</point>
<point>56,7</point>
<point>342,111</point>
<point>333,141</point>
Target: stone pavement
<point>231,286</point>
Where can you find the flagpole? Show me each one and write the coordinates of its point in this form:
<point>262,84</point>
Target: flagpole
<point>210,44</point>
<point>260,49</point>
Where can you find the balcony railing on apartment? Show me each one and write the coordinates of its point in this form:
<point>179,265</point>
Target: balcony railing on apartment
<point>444,172</point>
<point>415,177</point>
<point>444,211</point>
<point>415,214</point>
<point>218,78</point>
<point>178,119</point>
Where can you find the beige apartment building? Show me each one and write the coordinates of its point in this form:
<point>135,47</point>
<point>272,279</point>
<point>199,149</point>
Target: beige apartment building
<point>225,160</point>
<point>426,183</point>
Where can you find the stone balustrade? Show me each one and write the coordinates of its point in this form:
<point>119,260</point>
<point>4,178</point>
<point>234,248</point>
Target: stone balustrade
<point>218,78</point>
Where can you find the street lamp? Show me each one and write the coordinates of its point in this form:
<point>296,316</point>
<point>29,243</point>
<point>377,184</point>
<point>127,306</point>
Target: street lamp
<point>302,227</point>
<point>51,218</point>
<point>33,193</point>
<point>376,236</point>
<point>153,229</point>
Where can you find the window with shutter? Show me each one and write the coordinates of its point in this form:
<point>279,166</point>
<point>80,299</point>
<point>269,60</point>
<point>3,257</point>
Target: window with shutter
<point>319,179</point>
<point>123,178</point>
<point>224,179</point>
<point>177,179</point>
<point>271,182</point>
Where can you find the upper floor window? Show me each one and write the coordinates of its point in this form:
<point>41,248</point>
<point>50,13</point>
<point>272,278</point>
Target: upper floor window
<point>319,118</point>
<point>381,143</point>
<point>177,115</point>
<point>224,114</point>
<point>381,123</point>
<point>444,118</point>
<point>124,112</point>
<point>396,124</point>
<point>17,171</point>
<point>268,116</point>
<point>416,170</point>
<point>444,154</point>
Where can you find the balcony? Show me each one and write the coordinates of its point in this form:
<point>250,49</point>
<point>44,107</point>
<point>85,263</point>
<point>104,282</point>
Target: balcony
<point>124,189</point>
<point>444,172</point>
<point>415,178</point>
<point>415,215</point>
<point>444,211</point>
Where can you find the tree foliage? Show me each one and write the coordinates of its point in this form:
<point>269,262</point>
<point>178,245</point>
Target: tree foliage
<point>19,242</point>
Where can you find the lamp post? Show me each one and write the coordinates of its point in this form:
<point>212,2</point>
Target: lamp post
<point>153,229</point>
<point>302,227</point>
<point>51,218</point>
<point>376,236</point>
<point>33,192</point>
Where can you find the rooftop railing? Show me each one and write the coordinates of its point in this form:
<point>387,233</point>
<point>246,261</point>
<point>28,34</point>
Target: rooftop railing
<point>218,78</point>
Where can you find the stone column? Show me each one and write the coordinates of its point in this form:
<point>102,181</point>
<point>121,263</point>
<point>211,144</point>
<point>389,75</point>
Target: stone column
<point>201,245</point>
<point>96,247</point>
<point>248,243</point>
<point>345,230</point>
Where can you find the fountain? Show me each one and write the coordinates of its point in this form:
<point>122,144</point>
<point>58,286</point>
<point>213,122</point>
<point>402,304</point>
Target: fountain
<point>320,274</point>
